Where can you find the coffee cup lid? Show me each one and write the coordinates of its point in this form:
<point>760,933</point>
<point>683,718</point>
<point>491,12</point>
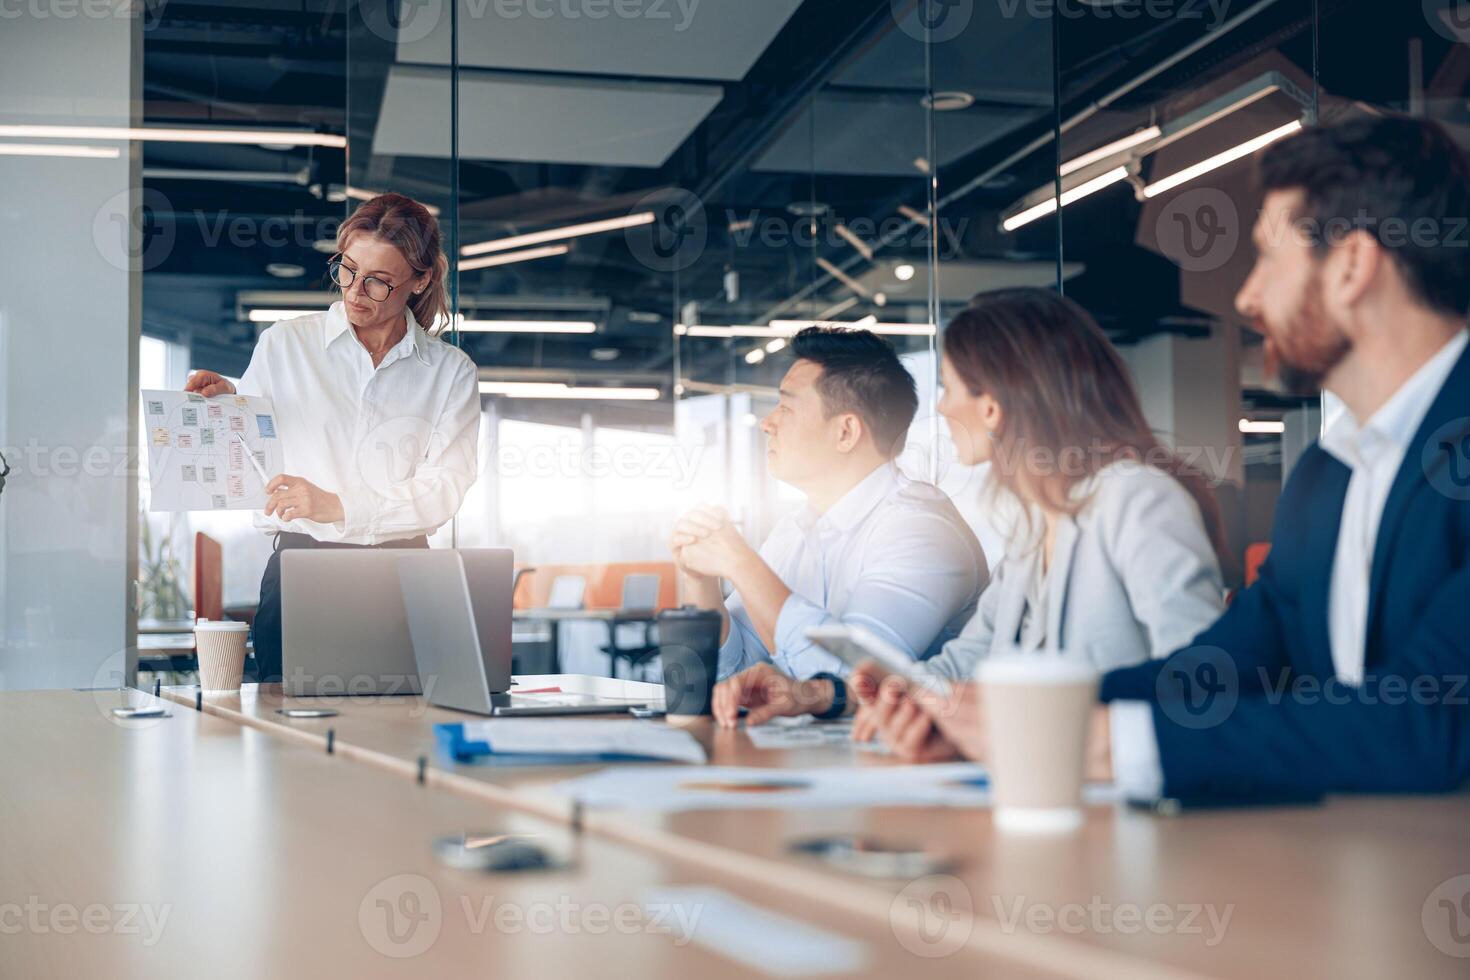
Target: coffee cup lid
<point>222,625</point>
<point>1037,668</point>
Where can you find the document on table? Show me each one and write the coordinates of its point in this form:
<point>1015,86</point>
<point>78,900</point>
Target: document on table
<point>754,937</point>
<point>196,457</point>
<point>557,739</point>
<point>807,733</point>
<point>672,788</point>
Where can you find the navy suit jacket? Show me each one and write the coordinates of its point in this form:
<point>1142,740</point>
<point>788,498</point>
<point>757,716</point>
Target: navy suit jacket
<point>1252,709</point>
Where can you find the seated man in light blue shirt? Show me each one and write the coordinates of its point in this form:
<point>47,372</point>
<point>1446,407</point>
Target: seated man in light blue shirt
<point>870,548</point>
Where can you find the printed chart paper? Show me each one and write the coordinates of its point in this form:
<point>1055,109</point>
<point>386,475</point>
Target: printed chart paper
<point>196,461</point>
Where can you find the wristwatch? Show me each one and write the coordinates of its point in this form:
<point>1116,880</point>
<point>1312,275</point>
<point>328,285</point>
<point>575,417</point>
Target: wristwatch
<point>838,707</point>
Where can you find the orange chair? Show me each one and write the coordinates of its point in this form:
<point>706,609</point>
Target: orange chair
<point>1255,557</point>
<point>209,578</point>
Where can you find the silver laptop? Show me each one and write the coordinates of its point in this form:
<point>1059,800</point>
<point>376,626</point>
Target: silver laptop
<point>343,625</point>
<point>462,637</point>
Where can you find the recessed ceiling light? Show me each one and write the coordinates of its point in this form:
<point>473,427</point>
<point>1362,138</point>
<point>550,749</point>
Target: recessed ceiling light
<point>286,270</point>
<point>605,353</point>
<point>947,101</point>
<point>903,272</point>
<point>325,245</point>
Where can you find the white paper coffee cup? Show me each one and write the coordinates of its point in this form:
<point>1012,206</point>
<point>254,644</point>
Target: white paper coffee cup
<point>221,648</point>
<point>1037,710</point>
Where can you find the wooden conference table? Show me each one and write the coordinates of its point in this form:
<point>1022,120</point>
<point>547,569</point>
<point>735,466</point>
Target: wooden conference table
<point>1341,890</point>
<point>193,846</point>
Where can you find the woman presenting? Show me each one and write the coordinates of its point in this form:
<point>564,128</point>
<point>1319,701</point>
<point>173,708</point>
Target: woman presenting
<point>378,419</point>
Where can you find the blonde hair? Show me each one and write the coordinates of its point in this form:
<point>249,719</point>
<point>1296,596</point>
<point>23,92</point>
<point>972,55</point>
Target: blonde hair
<point>408,226</point>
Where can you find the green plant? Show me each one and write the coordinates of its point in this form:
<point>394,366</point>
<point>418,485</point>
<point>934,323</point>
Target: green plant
<point>160,585</point>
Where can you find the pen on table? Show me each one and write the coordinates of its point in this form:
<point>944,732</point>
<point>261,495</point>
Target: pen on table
<point>265,481</point>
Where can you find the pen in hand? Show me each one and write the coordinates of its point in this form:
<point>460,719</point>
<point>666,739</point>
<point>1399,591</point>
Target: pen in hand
<point>254,463</point>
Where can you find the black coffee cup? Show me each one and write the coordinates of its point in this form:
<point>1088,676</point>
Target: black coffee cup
<point>689,648</point>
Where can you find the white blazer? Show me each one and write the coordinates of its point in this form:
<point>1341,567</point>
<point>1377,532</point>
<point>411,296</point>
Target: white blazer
<point>1133,577</point>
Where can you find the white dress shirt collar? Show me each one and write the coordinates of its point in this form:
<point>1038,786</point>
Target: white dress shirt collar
<point>1394,424</point>
<point>852,507</point>
<point>415,340</point>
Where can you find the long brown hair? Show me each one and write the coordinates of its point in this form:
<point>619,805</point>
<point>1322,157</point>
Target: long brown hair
<point>1065,395</point>
<point>406,224</point>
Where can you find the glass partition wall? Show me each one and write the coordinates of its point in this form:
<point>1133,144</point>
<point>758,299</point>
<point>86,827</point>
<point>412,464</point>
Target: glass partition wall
<point>640,208</point>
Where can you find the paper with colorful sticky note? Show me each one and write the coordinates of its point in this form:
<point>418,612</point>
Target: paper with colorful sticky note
<point>202,450</point>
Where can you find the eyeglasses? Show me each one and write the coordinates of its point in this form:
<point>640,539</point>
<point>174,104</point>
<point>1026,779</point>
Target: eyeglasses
<point>377,290</point>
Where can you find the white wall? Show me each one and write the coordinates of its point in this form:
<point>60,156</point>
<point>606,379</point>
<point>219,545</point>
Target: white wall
<point>69,310</point>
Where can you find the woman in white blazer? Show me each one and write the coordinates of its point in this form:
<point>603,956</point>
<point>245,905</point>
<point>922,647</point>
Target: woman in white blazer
<point>1112,540</point>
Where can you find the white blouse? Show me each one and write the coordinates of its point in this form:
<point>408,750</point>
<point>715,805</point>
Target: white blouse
<point>397,443</point>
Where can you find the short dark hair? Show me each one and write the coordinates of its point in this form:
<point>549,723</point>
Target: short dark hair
<point>1400,179</point>
<point>861,373</point>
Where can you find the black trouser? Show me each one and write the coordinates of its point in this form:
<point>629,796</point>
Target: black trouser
<point>266,633</point>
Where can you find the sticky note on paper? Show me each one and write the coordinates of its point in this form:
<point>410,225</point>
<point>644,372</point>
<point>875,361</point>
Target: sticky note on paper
<point>197,446</point>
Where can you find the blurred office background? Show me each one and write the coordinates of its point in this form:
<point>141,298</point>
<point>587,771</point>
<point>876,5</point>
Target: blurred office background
<point>641,200</point>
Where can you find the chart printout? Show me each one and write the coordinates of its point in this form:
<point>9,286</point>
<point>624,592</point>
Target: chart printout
<point>195,459</point>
